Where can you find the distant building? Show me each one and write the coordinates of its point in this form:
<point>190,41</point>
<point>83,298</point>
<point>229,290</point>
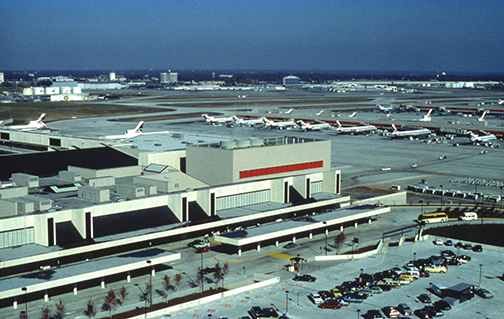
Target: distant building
<point>112,76</point>
<point>164,78</point>
<point>170,77</point>
<point>173,77</point>
<point>290,80</point>
<point>2,77</point>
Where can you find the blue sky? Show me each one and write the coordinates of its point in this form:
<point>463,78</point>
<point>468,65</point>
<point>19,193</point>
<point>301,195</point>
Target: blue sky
<point>380,35</point>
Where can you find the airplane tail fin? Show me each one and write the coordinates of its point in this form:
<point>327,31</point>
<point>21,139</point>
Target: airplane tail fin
<point>139,127</point>
<point>339,124</point>
<point>41,118</point>
<point>394,127</point>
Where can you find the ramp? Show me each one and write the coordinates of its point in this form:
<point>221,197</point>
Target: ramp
<point>281,256</point>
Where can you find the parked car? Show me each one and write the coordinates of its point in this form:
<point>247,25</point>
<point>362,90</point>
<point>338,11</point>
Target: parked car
<point>335,292</point>
<point>477,248</point>
<point>443,305</point>
<point>448,242</point>
<point>404,309</point>
<point>376,290</point>
<point>483,293</point>
<point>290,245</point>
<point>342,302</point>
<point>425,298</point>
<point>391,312</point>
<point>207,270</point>
<point>352,298</point>
<point>374,314</point>
<point>324,294</point>
<point>198,243</point>
<point>308,278</point>
<point>397,270</point>
<point>438,242</point>
<point>467,246</point>
<point>424,274</point>
<point>439,269</point>
<point>447,253</point>
<point>330,304</point>
<point>203,250</point>
<point>315,298</point>
<point>435,311</point>
<point>458,245</point>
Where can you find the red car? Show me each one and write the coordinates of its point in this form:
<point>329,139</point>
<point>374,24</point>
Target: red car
<point>330,304</point>
<point>203,250</point>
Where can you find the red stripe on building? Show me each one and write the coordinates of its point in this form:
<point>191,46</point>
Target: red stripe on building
<point>280,169</point>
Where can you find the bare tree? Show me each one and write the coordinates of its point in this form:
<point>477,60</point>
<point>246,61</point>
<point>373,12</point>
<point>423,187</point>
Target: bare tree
<point>123,293</point>
<point>200,278</point>
<point>110,302</point>
<point>167,286</point>
<point>339,240</point>
<point>46,313</point>
<point>148,292</point>
<point>60,309</point>
<point>23,315</point>
<point>178,279</point>
<point>217,274</point>
<point>225,271</point>
<point>91,309</point>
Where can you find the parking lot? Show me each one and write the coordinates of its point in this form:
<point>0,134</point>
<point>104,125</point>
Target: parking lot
<point>300,306</point>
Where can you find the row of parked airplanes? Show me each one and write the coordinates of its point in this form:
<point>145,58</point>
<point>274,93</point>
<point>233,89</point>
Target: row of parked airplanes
<point>315,126</point>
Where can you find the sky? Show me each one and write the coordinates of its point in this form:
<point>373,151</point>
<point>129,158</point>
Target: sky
<point>362,35</point>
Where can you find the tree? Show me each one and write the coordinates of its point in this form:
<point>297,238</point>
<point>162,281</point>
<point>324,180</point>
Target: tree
<point>123,293</point>
<point>225,271</point>
<point>200,278</point>
<point>217,274</point>
<point>23,315</point>
<point>60,309</point>
<point>46,313</point>
<point>110,302</point>
<point>339,240</point>
<point>178,279</point>
<point>148,292</point>
<point>167,286</point>
<point>91,309</point>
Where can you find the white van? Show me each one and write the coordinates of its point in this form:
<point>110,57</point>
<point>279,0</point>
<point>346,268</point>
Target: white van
<point>469,216</point>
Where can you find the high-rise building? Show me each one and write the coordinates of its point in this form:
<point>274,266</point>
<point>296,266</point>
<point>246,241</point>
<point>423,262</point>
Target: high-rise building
<point>173,77</point>
<point>2,77</point>
<point>112,76</point>
<point>164,78</point>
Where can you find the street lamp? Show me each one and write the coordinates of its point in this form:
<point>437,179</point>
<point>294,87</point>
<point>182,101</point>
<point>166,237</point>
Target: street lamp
<point>414,256</point>
<point>441,188</point>
<point>145,298</point>
<point>501,198</point>
<point>286,302</point>
<point>150,283</point>
<point>325,232</point>
<point>361,271</point>
<point>26,300</point>
<point>358,313</point>
<point>481,267</point>
<point>421,201</point>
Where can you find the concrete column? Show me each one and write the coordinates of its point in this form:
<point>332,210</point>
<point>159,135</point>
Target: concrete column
<point>46,296</point>
<point>310,235</point>
<point>258,246</point>
<point>239,251</point>
<point>355,225</point>
<point>153,272</point>
<point>327,232</point>
<point>293,239</point>
<point>75,290</point>
<point>102,283</point>
<point>276,243</point>
<point>341,228</point>
<point>128,277</point>
<point>369,221</point>
<point>14,304</point>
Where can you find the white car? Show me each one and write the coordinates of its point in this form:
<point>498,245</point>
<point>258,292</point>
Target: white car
<point>315,297</point>
<point>411,267</point>
<point>438,242</point>
<point>386,169</point>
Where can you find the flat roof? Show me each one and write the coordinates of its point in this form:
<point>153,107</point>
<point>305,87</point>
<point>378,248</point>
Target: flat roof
<point>291,227</point>
<point>58,277</point>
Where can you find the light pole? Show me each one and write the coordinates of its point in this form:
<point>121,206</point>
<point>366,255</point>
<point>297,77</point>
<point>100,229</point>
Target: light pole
<point>358,313</point>
<point>201,275</point>
<point>325,232</point>
<point>150,283</point>
<point>441,188</point>
<point>421,201</point>
<point>286,302</point>
<point>145,298</point>
<point>26,300</point>
<point>414,256</point>
<point>481,267</point>
<point>501,198</point>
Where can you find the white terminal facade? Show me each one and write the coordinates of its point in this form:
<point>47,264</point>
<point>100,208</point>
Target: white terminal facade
<point>216,177</point>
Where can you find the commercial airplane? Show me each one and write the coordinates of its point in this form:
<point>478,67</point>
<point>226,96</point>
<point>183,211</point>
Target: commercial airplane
<point>501,102</point>
<point>280,125</point>
<point>217,120</point>
<point>137,131</point>
<point>355,129</point>
<point>410,133</point>
<point>289,111</point>
<point>32,125</point>
<point>250,122</point>
<point>427,117</point>
<point>319,113</point>
<point>353,114</point>
<point>385,109</point>
<point>482,138</point>
<point>482,118</point>
<point>315,126</point>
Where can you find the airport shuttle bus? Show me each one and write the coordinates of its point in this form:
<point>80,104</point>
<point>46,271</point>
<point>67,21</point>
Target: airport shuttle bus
<point>429,218</point>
